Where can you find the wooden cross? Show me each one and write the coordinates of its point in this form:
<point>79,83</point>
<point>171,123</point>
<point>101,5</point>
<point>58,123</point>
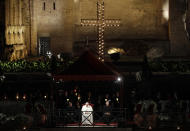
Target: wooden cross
<point>101,23</point>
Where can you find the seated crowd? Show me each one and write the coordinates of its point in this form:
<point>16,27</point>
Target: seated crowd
<point>76,100</point>
<point>165,109</point>
<point>162,105</point>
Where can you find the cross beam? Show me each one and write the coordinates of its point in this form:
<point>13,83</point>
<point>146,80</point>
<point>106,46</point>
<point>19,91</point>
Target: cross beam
<point>100,23</point>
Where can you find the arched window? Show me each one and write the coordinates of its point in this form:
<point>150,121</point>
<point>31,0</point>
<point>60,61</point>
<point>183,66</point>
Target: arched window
<point>44,5</point>
<point>54,6</point>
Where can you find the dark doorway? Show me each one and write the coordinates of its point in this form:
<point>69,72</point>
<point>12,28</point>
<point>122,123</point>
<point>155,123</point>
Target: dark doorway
<point>44,45</point>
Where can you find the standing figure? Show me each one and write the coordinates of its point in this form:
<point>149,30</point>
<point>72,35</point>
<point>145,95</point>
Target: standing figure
<point>66,99</point>
<point>107,113</point>
<point>70,113</point>
<point>116,100</point>
<point>106,98</point>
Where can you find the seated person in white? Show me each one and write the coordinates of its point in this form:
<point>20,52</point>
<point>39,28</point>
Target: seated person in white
<point>87,114</point>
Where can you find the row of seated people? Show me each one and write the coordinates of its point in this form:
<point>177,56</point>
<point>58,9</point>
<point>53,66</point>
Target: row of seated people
<point>63,100</point>
<point>162,106</point>
<point>86,114</point>
<point>164,110</point>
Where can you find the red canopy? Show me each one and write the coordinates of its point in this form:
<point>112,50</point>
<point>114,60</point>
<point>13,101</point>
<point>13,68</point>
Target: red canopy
<point>88,68</point>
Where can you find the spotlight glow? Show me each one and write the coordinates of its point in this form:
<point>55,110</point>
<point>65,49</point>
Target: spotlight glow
<point>75,1</point>
<point>165,9</point>
<point>116,50</point>
<point>45,97</point>
<point>119,79</point>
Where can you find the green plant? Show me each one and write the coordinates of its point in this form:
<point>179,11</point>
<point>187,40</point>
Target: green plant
<point>160,66</point>
<point>30,66</point>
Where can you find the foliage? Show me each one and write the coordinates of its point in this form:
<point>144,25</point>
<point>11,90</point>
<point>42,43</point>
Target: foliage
<point>25,66</point>
<point>33,66</point>
<point>50,65</point>
<point>168,66</point>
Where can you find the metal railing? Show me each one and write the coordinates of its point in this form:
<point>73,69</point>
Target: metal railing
<point>79,118</point>
<point>119,117</point>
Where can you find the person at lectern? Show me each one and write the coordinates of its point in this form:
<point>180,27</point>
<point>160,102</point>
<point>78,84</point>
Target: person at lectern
<point>87,114</point>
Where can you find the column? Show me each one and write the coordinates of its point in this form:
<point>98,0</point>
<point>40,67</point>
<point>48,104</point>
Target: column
<point>17,11</point>
<point>20,12</point>
<point>7,12</point>
<point>14,12</point>
<point>33,21</point>
<point>11,11</point>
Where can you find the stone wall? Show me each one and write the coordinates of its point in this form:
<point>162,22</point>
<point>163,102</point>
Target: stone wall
<point>55,20</point>
<point>132,47</point>
<point>141,19</point>
<point>29,21</point>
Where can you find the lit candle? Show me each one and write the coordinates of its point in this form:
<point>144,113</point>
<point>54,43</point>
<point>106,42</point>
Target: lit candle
<point>24,97</point>
<point>45,97</point>
<point>117,99</point>
<point>17,96</point>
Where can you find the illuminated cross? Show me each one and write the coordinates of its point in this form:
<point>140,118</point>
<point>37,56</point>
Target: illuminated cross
<point>101,23</point>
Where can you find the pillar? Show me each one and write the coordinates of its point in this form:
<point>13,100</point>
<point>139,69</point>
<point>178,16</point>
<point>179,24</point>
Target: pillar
<point>20,12</point>
<point>14,31</point>
<point>180,45</point>
<point>33,29</point>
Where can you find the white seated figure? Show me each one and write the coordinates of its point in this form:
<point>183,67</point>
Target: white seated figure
<point>87,114</point>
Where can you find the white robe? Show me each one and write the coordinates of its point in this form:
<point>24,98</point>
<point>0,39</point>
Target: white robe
<point>87,116</point>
